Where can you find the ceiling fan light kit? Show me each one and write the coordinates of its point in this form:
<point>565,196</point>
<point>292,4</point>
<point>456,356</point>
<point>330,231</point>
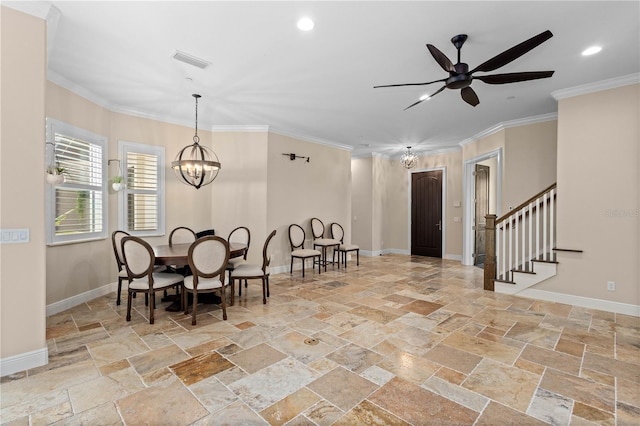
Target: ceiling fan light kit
<point>461,78</point>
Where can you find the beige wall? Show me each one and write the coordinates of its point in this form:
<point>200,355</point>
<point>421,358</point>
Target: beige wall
<point>452,164</point>
<point>76,268</point>
<point>390,193</point>
<point>361,202</point>
<point>298,190</point>
<point>530,161</point>
<point>598,181</point>
<point>240,196</point>
<point>22,165</point>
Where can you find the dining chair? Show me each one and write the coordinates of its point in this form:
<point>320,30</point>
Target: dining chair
<point>208,257</point>
<point>116,240</point>
<point>139,261</point>
<point>296,239</point>
<point>240,235</point>
<point>248,271</point>
<point>317,229</point>
<point>337,232</point>
<point>182,234</point>
<point>205,233</point>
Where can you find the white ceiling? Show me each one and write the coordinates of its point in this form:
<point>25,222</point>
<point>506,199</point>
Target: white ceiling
<point>318,85</point>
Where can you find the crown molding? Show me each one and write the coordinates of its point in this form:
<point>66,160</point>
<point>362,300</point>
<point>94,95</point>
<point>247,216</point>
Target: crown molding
<point>598,86</point>
<point>254,128</point>
<point>313,140</point>
<point>39,9</point>
<point>511,123</point>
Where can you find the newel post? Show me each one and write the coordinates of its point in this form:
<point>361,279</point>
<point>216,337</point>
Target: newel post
<point>490,252</point>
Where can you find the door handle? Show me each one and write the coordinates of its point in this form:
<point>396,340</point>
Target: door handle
<point>439,225</point>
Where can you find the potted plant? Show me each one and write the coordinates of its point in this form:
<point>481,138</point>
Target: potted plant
<point>55,175</point>
<point>117,183</point>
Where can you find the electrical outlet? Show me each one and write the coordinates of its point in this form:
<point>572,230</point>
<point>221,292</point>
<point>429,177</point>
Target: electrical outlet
<point>611,286</point>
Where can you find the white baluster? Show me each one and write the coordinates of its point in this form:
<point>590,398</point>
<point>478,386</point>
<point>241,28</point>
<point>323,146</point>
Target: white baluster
<point>524,239</point>
<point>551,221</point>
<point>504,250</point>
<point>530,254</point>
<point>544,226</point>
<point>537,228</point>
<point>515,231</point>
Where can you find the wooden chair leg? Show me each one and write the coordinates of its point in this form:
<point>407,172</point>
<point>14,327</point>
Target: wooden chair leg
<point>233,292</point>
<point>267,286</point>
<point>152,307</point>
<point>264,291</point>
<point>223,302</point>
<point>119,289</point>
<point>129,305</point>
<point>193,309</point>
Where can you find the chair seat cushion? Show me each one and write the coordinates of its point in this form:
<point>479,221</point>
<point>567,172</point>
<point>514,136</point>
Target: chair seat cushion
<point>160,280</point>
<point>348,247</point>
<point>305,253</point>
<point>325,242</point>
<point>203,283</point>
<point>232,264</point>
<point>247,270</point>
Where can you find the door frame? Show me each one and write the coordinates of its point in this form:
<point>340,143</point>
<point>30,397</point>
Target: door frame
<point>444,206</point>
<point>469,190</point>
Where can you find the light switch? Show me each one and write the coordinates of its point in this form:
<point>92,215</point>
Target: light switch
<point>13,236</point>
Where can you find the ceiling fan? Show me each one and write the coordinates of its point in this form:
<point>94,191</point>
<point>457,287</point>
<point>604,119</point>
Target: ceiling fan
<point>460,77</point>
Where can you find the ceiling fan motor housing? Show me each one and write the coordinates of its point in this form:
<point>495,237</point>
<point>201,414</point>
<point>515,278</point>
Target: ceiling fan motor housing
<point>459,79</point>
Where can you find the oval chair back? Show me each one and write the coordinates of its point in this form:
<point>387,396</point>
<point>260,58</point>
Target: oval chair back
<point>116,242</point>
<point>208,257</point>
<point>317,228</point>
<point>181,235</point>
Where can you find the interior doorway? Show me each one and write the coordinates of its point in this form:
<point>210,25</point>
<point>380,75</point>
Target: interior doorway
<point>493,160</point>
<point>426,213</point>
<point>481,211</point>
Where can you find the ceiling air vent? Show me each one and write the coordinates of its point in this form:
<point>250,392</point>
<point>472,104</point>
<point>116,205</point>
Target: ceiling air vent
<point>190,59</point>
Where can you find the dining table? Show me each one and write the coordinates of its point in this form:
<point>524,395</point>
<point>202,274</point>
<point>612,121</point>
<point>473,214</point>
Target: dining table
<point>178,255</point>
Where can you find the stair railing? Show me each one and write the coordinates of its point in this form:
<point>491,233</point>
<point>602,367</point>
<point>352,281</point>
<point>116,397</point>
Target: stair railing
<point>517,238</point>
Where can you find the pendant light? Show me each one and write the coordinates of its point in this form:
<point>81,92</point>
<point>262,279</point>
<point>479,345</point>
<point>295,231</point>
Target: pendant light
<point>409,159</point>
<point>196,165</point>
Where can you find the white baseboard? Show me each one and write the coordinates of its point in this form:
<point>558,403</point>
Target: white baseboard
<point>24,361</point>
<point>457,257</point>
<point>584,302</point>
<point>76,300</point>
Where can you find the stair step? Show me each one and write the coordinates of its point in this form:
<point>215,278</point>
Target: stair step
<point>504,281</point>
<point>524,271</point>
<point>544,261</point>
<point>567,250</point>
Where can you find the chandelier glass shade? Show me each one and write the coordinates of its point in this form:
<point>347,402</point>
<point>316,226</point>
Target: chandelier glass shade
<point>409,159</point>
<point>196,165</point>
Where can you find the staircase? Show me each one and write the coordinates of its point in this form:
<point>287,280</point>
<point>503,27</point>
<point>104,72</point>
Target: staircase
<point>520,245</point>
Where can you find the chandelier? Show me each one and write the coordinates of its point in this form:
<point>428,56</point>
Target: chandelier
<point>196,165</point>
<point>409,159</point>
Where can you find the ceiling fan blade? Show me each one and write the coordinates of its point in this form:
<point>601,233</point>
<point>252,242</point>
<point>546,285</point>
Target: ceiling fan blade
<point>469,96</point>
<point>441,58</point>
<point>514,53</point>
<point>426,99</point>
<point>410,84</point>
<point>513,77</point>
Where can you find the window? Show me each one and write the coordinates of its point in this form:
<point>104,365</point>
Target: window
<point>141,210</point>
<point>76,210</point>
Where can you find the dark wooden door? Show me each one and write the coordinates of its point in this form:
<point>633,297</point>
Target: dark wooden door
<point>426,213</point>
<point>481,211</point>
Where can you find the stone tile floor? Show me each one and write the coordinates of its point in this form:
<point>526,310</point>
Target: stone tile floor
<point>400,340</point>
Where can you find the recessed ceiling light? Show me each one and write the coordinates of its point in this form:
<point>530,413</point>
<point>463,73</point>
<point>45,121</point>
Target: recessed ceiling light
<point>591,50</point>
<point>305,24</point>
